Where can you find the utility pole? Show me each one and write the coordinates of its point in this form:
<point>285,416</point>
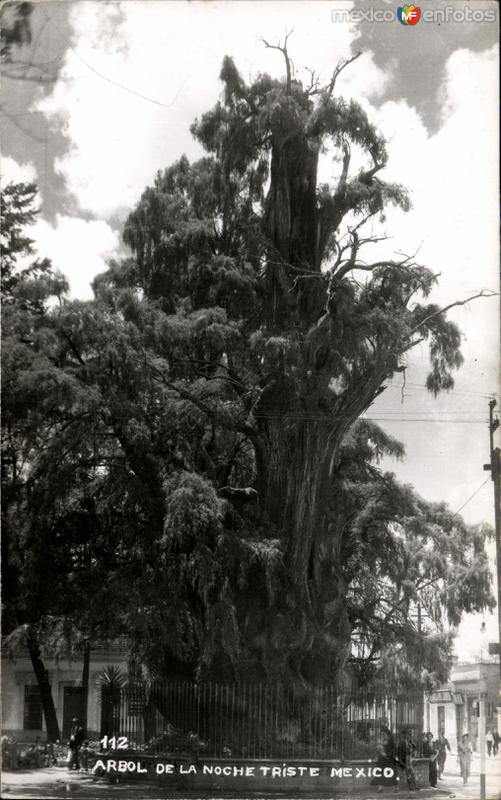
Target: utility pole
<point>495,470</point>
<point>421,702</point>
<point>481,738</point>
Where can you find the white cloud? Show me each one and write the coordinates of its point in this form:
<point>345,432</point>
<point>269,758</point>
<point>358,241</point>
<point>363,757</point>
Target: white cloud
<point>13,172</point>
<point>454,180</point>
<point>79,248</point>
<point>172,53</point>
<point>76,247</point>
<point>453,176</point>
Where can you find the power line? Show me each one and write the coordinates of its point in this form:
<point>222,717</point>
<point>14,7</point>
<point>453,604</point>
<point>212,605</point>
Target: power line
<point>126,88</point>
<point>471,497</point>
<point>314,417</point>
<point>468,421</point>
<point>464,411</point>
<point>422,387</point>
<point>441,421</point>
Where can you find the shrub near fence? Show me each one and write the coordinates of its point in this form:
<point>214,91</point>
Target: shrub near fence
<point>256,720</point>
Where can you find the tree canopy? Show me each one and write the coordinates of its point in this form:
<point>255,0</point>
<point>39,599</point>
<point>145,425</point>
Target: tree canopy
<point>185,454</point>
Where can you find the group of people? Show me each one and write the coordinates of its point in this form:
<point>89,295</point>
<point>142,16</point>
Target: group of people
<point>436,751</point>
<point>401,754</point>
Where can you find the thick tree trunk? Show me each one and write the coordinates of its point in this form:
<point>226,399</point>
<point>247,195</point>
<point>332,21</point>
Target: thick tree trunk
<point>302,420</point>
<point>298,502</point>
<point>293,470</point>
<point>85,685</point>
<point>291,228</point>
<point>42,677</point>
<point>296,479</point>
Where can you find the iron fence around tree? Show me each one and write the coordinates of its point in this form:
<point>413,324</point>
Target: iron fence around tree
<point>255,720</point>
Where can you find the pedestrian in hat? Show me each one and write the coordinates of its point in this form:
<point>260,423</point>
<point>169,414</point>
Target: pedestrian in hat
<point>75,743</point>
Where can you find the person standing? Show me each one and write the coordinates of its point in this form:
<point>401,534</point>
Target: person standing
<point>404,756</point>
<point>442,745</point>
<point>495,746</point>
<point>489,740</point>
<point>75,743</point>
<point>464,757</point>
<point>431,752</point>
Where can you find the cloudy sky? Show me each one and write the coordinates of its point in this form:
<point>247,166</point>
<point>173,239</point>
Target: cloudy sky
<point>128,79</point>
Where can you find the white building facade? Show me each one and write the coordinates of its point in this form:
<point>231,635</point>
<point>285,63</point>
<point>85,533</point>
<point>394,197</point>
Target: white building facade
<point>454,708</point>
<point>22,715</point>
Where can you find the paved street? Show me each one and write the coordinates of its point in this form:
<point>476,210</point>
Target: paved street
<point>56,782</point>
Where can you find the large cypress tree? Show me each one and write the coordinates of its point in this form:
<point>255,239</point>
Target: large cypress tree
<point>198,414</point>
<point>279,335</point>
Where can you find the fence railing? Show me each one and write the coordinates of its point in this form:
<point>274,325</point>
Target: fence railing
<point>255,720</point>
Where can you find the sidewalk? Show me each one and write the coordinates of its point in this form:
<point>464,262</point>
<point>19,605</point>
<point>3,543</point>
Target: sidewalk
<point>45,782</point>
<point>58,782</point>
<point>453,782</point>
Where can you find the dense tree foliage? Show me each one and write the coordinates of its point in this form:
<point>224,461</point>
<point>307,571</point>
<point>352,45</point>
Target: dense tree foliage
<point>194,472</point>
<point>52,559</point>
<point>412,568</point>
<point>26,287</point>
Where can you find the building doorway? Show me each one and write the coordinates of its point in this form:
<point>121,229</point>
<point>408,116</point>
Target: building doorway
<point>110,710</point>
<point>72,707</point>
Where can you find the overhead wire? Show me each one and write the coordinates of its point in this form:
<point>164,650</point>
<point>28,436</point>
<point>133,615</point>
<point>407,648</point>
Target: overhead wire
<point>127,88</point>
<point>314,417</point>
<point>472,496</point>
<point>422,387</point>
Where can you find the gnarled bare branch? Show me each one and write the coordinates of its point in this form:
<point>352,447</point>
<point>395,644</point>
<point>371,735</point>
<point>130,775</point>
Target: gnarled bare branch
<point>338,70</point>
<point>289,67</point>
<point>483,293</point>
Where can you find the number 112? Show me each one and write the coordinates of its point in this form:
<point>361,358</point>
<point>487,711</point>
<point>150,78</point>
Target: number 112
<point>114,742</point>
